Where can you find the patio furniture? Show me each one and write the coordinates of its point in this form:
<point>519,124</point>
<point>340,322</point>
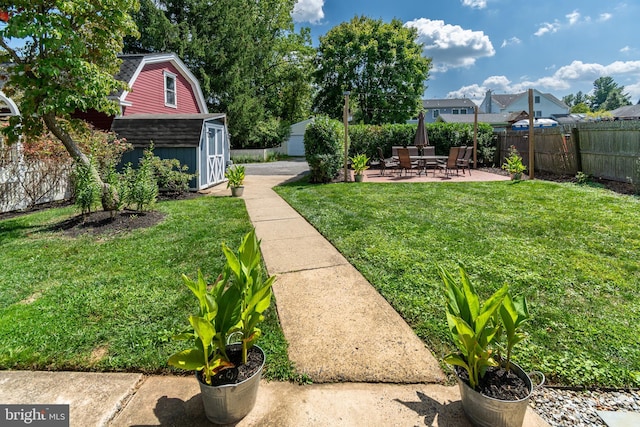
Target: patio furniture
<point>430,161</point>
<point>385,163</point>
<point>451,162</point>
<point>405,162</point>
<point>465,161</point>
<point>413,150</point>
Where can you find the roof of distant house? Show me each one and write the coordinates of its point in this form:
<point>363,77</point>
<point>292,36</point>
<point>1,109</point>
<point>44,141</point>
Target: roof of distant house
<point>627,112</point>
<point>448,103</point>
<point>490,118</point>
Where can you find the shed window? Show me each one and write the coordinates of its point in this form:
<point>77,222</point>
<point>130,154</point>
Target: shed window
<point>170,98</point>
<point>455,111</point>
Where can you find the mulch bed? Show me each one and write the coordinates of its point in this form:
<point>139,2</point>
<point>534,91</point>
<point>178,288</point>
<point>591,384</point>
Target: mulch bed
<point>103,223</point>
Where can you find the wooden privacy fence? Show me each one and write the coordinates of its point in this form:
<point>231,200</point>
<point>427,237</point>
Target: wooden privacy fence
<point>608,150</point>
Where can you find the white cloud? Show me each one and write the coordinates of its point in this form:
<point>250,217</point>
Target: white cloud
<point>510,42</point>
<point>605,17</point>
<point>308,11</point>
<point>547,28</point>
<point>477,4</point>
<point>451,46</point>
<point>564,78</point>
<point>573,17</point>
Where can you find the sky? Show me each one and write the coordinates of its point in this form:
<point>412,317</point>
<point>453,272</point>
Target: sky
<point>507,46</point>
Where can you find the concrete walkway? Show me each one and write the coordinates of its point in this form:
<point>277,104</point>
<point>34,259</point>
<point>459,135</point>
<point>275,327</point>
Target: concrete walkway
<point>368,366</point>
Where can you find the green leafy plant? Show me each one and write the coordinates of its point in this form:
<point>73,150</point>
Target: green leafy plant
<point>141,185</point>
<point>359,163</point>
<point>513,312</point>
<point>235,175</point>
<point>87,190</point>
<point>171,175</point>
<point>473,326</point>
<point>233,306</point>
<point>513,163</point>
<point>582,178</point>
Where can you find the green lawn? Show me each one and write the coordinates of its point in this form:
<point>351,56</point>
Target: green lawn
<point>113,302</point>
<point>573,251</point>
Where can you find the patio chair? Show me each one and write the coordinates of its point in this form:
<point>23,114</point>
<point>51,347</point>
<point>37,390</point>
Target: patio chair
<point>430,150</point>
<point>451,162</point>
<point>405,163</point>
<point>465,161</point>
<point>461,151</point>
<point>385,164</point>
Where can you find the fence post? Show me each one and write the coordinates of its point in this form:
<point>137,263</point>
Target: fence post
<point>575,134</point>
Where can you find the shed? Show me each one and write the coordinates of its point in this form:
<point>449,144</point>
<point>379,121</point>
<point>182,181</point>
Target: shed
<point>200,141</point>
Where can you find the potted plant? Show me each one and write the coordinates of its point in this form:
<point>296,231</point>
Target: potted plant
<point>495,392</point>
<point>228,372</point>
<point>513,164</point>
<point>235,177</point>
<point>359,163</point>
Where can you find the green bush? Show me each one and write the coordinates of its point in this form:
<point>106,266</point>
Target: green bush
<point>171,176</point>
<point>141,187</point>
<point>323,148</point>
<point>86,188</point>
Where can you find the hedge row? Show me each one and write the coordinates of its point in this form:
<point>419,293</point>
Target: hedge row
<point>324,139</point>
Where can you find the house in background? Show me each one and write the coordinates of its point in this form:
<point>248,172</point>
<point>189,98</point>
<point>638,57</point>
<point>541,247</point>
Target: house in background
<point>627,112</point>
<point>436,107</point>
<point>499,121</point>
<point>544,104</point>
<point>166,107</point>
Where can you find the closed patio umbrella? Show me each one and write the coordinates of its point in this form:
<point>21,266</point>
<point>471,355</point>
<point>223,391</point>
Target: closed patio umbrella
<point>421,139</point>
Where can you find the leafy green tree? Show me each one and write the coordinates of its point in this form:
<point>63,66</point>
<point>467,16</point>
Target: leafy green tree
<point>380,63</point>
<point>250,63</point>
<point>580,108</point>
<point>607,95</point>
<point>576,100</point>
<point>67,63</point>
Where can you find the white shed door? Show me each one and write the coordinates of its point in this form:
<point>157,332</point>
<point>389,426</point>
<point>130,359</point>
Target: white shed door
<point>215,154</point>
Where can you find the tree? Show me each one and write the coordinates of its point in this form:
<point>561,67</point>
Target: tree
<point>380,63</point>
<point>607,95</point>
<point>580,108</point>
<point>67,63</point>
<point>245,54</point>
<point>575,100</point>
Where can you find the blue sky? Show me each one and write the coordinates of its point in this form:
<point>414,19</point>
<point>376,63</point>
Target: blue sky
<point>508,46</point>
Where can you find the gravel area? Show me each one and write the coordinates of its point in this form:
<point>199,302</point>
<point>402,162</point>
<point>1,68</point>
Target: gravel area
<point>578,408</point>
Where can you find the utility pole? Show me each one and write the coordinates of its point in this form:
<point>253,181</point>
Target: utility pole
<point>345,119</point>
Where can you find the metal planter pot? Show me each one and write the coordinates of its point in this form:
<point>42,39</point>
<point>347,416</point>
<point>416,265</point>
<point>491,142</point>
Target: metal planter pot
<point>226,404</point>
<point>489,412</point>
<point>237,191</point>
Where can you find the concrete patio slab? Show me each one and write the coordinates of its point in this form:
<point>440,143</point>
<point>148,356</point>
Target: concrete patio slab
<point>93,398</point>
<point>175,401</point>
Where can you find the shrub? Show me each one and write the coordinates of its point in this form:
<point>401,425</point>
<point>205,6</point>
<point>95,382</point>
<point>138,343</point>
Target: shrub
<point>323,148</point>
<point>171,176</point>
<point>141,188</point>
<point>87,191</point>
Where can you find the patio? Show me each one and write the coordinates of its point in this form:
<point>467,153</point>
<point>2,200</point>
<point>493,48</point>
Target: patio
<point>373,175</point>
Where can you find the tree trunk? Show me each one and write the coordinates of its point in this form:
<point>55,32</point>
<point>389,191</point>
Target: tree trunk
<point>110,196</point>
